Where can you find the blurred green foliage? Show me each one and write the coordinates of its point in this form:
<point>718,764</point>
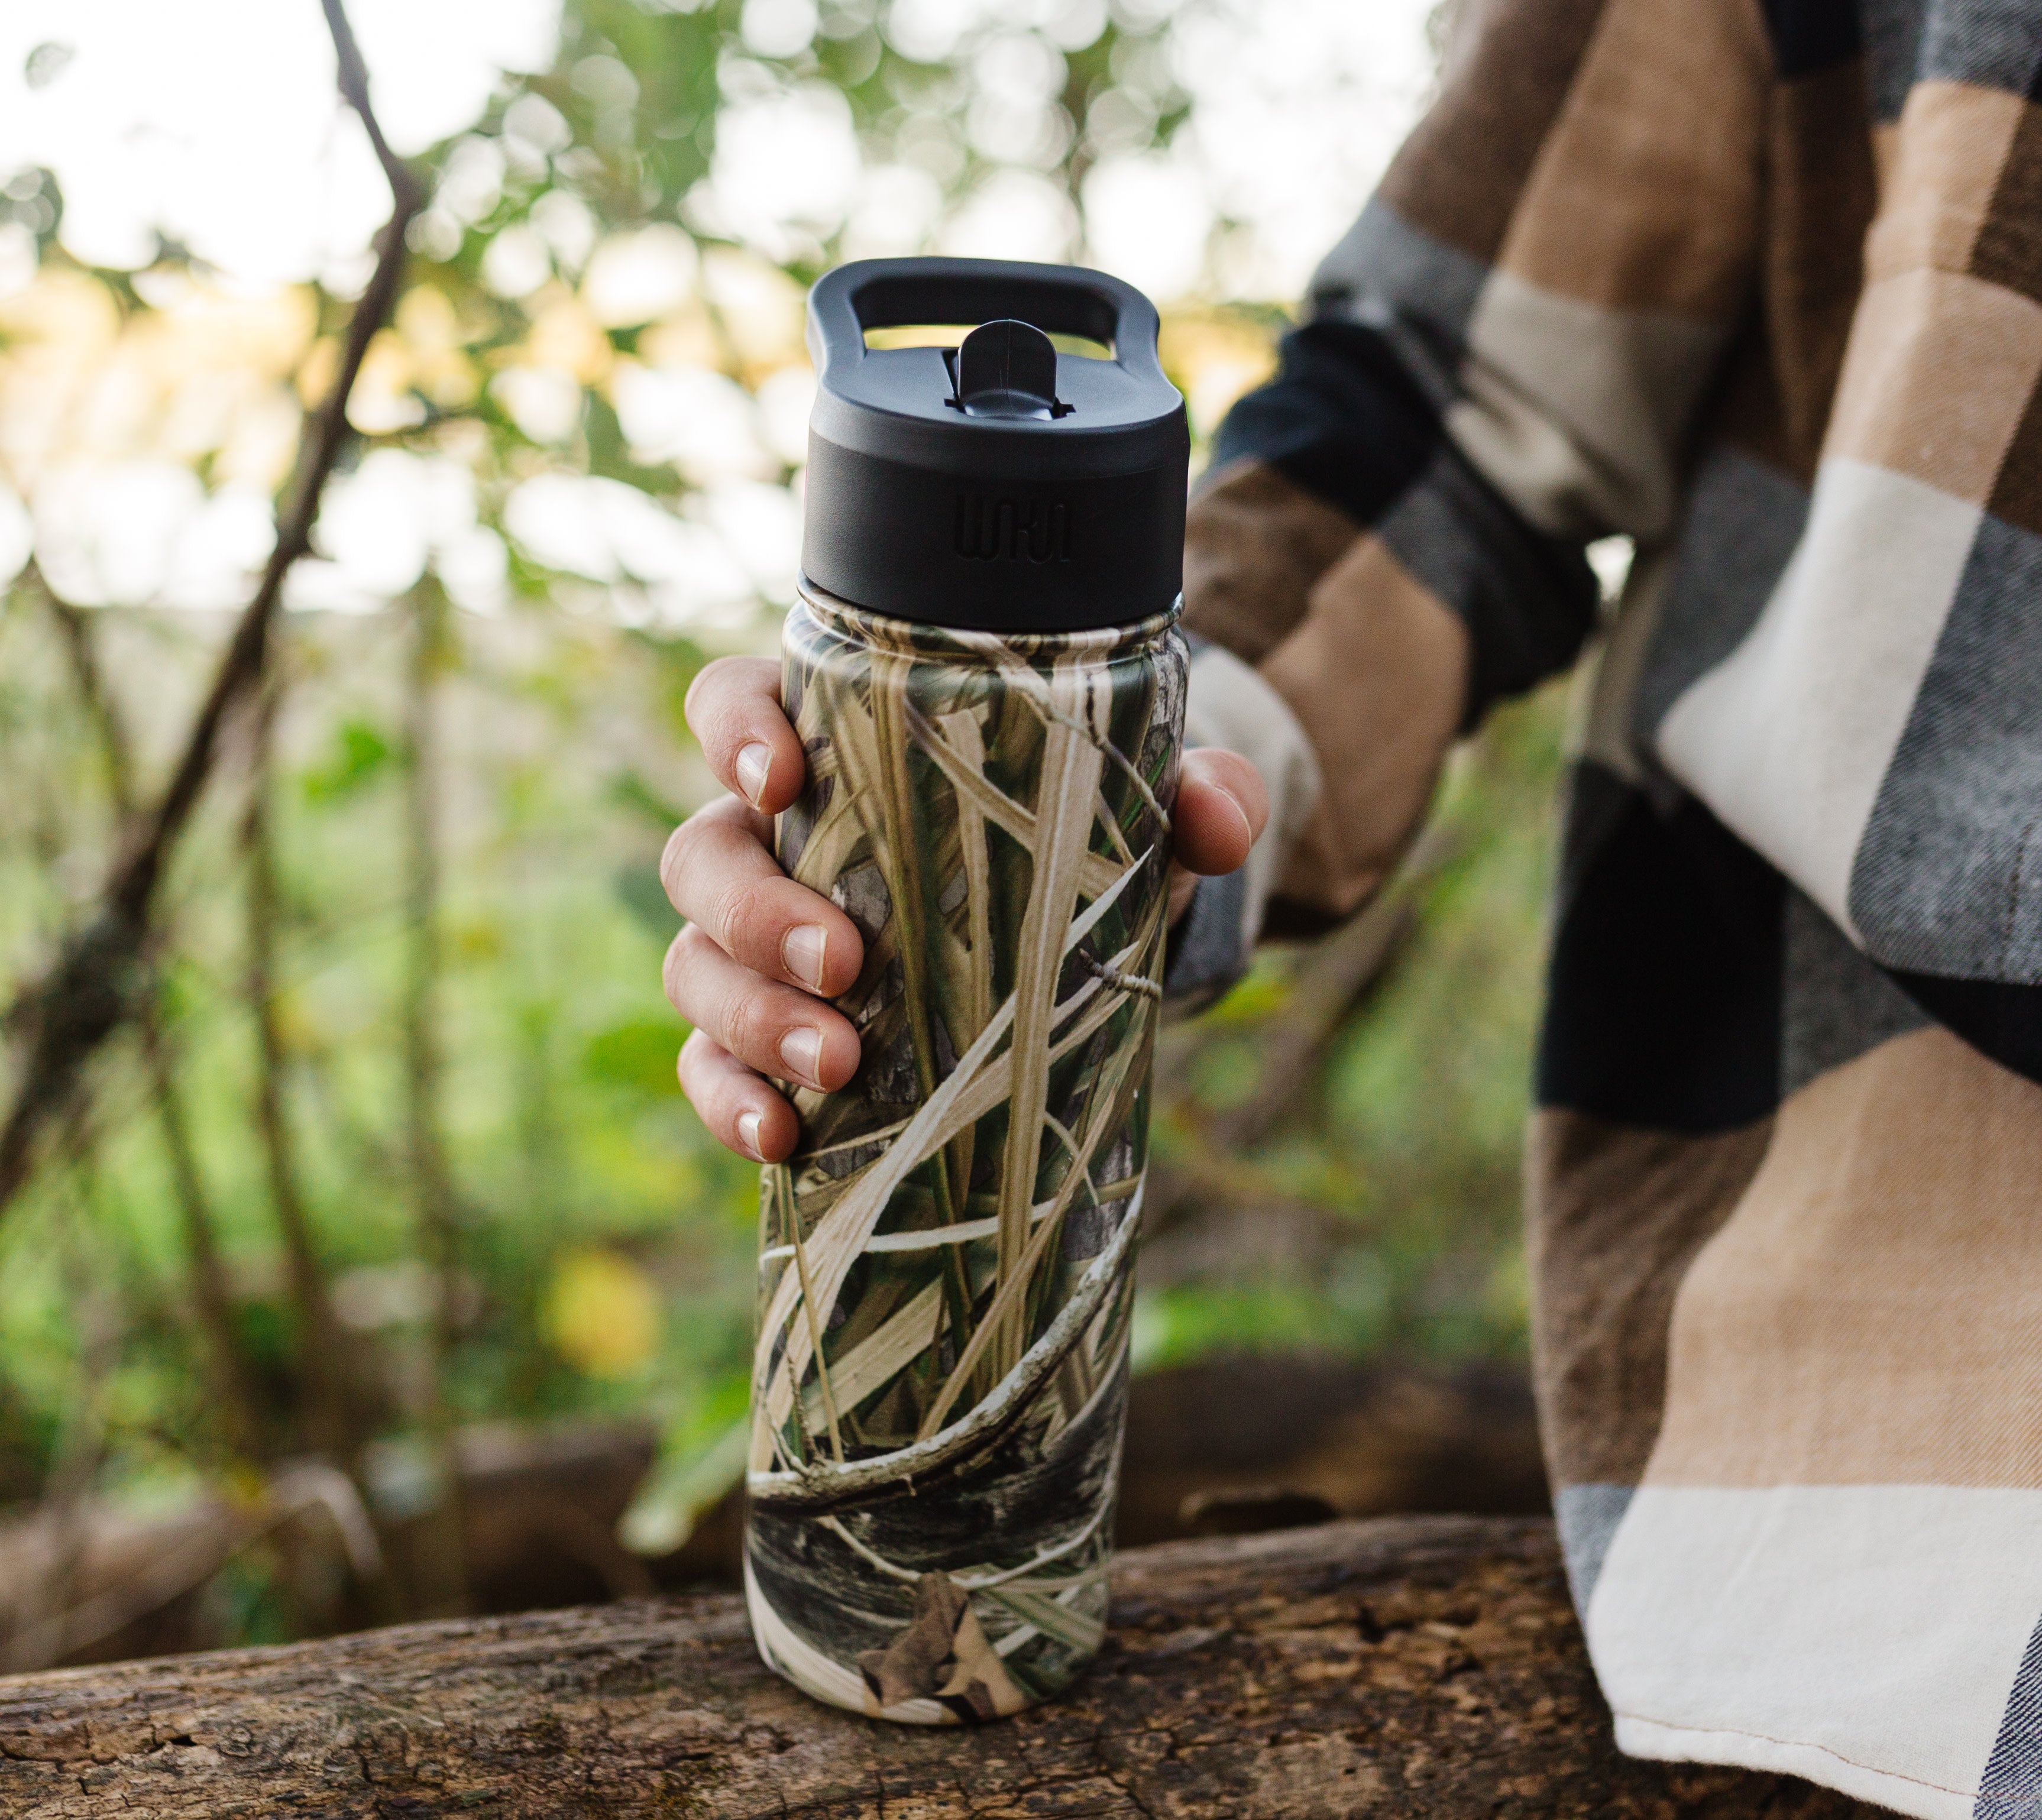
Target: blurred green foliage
<point>603,1255</point>
<point>1409,1145</point>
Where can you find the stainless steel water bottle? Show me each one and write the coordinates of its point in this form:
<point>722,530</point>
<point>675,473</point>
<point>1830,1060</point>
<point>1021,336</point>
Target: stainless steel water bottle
<point>984,667</point>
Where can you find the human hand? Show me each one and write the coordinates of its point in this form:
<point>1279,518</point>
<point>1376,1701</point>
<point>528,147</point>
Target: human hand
<point>760,954</point>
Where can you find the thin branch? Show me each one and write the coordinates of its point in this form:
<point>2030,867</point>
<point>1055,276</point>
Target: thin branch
<point>229,1374</point>
<point>444,1591</point>
<point>82,1444</point>
<point>1331,980</point>
<point>794,1216</point>
<point>229,1378</point>
<point>820,1486</point>
<point>330,1404</point>
<point>115,749</point>
<point>93,986</point>
<point>337,1410</point>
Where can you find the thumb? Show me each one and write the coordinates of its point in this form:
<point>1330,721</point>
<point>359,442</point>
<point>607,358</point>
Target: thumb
<point>1221,807</point>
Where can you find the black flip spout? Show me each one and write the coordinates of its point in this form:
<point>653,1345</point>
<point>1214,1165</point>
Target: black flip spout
<point>1003,486</point>
<point>1007,368</point>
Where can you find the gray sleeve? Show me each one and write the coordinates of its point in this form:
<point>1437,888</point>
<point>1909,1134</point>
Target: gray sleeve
<point>1209,947</point>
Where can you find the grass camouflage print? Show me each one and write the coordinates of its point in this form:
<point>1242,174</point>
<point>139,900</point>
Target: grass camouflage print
<point>940,1380</point>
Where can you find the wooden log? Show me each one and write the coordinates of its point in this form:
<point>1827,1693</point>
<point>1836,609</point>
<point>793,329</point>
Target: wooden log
<point>1408,1666</point>
<point>1203,1457</point>
<point>1226,1445</point>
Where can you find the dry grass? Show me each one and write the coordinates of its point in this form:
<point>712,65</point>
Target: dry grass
<point>946,1261</point>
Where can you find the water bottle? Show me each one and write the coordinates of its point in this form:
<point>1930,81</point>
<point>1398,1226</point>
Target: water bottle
<point>984,667</point>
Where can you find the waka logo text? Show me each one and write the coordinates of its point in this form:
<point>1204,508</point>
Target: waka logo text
<point>1012,530</point>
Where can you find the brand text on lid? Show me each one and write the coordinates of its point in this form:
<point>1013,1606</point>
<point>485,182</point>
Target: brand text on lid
<point>988,530</point>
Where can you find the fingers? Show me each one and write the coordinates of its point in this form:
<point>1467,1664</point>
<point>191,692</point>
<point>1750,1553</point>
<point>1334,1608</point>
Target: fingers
<point>759,952</point>
<point>733,706</point>
<point>1221,807</point>
<point>719,874</point>
<point>742,1112</point>
<point>767,1026</point>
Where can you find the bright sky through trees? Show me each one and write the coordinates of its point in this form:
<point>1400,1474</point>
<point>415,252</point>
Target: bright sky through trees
<point>200,147</point>
<point>213,123</point>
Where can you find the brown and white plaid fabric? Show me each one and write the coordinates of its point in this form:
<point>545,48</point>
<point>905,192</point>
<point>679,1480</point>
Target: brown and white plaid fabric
<point>1757,283</point>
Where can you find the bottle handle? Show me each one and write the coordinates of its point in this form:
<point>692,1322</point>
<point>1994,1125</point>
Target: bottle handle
<point>896,293</point>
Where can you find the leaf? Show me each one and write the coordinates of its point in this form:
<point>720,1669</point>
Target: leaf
<point>640,1054</point>
<point>360,755</point>
<point>875,1360</point>
<point>1079,1631</point>
<point>963,770</point>
<point>684,1485</point>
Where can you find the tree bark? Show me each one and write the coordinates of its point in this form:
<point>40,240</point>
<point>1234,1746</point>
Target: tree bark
<point>1404,1667</point>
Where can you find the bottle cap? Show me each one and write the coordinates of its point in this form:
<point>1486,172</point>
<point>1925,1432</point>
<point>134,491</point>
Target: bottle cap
<point>1002,485</point>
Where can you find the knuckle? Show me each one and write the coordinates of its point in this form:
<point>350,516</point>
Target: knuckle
<point>716,825</point>
<point>674,855</point>
<point>739,915</point>
<point>753,1022</point>
<point>754,915</point>
<point>684,955</point>
<point>698,706</point>
<point>699,1073</point>
<point>703,1056</point>
<point>701,847</point>
<point>721,701</point>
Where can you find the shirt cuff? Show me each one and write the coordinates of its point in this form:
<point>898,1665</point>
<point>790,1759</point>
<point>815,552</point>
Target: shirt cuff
<point>1208,948</point>
<point>1229,704</point>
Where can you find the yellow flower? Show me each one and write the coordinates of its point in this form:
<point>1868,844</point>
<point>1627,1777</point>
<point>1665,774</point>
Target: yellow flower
<point>601,1313</point>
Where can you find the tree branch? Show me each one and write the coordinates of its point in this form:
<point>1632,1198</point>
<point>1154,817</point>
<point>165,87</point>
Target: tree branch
<point>1421,1666</point>
<point>338,1417</point>
<point>226,1371</point>
<point>115,748</point>
<point>95,983</point>
<point>442,1587</point>
<point>331,1426</point>
<point>1330,981</point>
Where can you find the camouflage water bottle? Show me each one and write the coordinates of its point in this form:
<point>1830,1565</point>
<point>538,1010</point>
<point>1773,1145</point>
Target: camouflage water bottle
<point>984,669</point>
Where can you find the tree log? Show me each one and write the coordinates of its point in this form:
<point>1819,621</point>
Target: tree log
<point>1408,1666</point>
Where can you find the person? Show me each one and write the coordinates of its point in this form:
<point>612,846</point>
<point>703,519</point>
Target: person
<point>1758,285</point>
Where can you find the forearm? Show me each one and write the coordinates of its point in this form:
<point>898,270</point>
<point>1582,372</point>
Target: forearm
<point>1382,596</point>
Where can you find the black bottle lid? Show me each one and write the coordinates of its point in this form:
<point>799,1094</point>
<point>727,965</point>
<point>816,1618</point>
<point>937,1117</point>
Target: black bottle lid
<point>1000,486</point>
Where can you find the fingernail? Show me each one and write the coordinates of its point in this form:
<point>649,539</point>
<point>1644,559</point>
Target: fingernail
<point>754,763</point>
<point>801,1049</point>
<point>748,1133</point>
<point>801,951</point>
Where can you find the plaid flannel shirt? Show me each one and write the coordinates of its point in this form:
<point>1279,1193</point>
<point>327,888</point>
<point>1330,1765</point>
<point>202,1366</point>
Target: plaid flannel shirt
<point>1757,283</point>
